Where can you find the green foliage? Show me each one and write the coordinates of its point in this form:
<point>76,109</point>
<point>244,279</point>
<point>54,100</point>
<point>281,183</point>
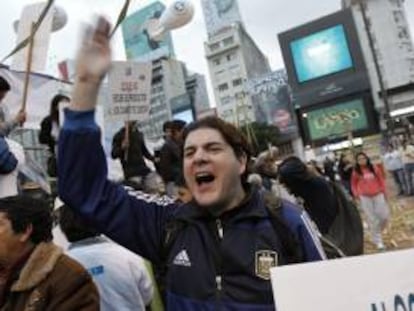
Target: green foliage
<point>261,135</point>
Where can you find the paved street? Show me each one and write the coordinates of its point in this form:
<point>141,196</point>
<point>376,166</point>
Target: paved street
<point>400,232</point>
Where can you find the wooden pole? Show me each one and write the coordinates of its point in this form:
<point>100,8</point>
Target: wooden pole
<point>28,68</point>
<point>127,140</point>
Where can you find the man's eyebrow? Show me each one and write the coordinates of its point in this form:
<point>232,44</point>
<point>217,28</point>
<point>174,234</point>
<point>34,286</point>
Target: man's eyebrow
<point>206,145</point>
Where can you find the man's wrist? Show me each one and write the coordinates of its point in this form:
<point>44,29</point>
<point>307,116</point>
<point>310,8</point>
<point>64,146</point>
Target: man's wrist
<point>85,95</point>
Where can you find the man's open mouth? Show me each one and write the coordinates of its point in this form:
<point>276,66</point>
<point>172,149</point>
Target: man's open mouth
<point>204,178</point>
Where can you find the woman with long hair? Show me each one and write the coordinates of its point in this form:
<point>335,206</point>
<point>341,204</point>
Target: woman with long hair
<point>368,187</point>
<point>49,131</point>
<point>345,168</point>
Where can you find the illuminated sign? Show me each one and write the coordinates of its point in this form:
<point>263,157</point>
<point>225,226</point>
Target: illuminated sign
<point>337,120</point>
<point>322,53</point>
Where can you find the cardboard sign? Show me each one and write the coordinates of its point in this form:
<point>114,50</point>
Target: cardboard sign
<point>381,282</point>
<point>130,87</point>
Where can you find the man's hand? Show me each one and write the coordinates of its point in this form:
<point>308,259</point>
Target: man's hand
<point>20,118</point>
<point>93,62</point>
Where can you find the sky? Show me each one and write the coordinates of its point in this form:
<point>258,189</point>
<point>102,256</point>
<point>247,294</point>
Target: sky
<point>263,19</point>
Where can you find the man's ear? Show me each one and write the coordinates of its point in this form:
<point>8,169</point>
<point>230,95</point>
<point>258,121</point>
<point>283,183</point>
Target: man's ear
<point>243,163</point>
<point>25,235</point>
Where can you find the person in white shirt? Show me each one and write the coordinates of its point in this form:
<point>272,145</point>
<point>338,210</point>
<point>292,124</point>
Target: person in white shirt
<point>408,160</point>
<point>121,276</point>
<point>394,164</point>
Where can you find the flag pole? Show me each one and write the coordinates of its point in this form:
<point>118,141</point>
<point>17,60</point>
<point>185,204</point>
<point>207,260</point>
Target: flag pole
<point>28,68</point>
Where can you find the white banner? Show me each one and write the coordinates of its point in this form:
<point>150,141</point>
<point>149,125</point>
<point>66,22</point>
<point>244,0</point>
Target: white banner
<point>41,41</point>
<point>382,282</point>
<point>130,87</point>
<point>42,89</point>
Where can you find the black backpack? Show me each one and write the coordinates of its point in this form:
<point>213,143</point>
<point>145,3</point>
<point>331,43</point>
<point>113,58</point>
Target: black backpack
<point>345,237</point>
<point>346,231</point>
<point>289,242</point>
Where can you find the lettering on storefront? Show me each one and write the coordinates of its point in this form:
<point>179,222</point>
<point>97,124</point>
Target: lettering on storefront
<point>332,119</point>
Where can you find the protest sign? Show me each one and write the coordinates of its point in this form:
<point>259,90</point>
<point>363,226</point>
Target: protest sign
<point>130,87</point>
<point>381,282</point>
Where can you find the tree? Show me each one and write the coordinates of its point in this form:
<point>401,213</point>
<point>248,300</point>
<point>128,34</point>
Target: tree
<point>262,135</point>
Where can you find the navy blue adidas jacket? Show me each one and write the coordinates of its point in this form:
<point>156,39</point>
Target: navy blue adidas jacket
<point>214,264</point>
<point>8,161</point>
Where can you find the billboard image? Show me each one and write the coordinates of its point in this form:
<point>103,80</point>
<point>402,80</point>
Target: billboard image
<point>137,42</point>
<point>271,98</point>
<point>337,120</point>
<point>219,14</point>
<point>320,54</point>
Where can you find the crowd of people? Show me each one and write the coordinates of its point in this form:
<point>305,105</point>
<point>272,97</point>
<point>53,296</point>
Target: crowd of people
<point>210,219</point>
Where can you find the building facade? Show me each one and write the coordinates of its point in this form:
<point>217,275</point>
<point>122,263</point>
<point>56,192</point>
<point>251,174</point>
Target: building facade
<point>384,23</point>
<point>173,90</point>
<point>175,94</point>
<point>233,59</point>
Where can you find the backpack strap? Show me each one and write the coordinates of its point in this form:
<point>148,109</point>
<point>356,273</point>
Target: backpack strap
<point>290,244</point>
<point>172,228</point>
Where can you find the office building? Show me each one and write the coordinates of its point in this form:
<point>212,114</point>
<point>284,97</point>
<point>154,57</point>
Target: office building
<point>384,22</point>
<point>233,59</point>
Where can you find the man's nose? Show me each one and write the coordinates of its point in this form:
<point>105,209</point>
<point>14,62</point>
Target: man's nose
<point>200,155</point>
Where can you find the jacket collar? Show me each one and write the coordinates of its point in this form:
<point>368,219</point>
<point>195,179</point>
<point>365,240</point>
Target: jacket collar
<point>252,206</point>
<point>88,241</point>
<point>40,263</point>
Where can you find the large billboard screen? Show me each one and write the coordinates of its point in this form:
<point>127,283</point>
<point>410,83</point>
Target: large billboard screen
<point>320,54</point>
<point>138,44</point>
<point>324,60</point>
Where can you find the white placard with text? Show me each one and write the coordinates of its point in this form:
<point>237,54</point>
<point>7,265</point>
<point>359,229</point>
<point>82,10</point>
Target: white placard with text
<point>130,88</point>
<point>381,282</point>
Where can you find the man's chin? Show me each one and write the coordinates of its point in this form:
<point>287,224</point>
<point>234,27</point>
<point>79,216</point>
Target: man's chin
<point>213,208</point>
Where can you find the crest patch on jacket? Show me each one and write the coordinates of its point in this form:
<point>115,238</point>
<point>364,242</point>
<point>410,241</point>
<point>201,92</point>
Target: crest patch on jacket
<point>264,260</point>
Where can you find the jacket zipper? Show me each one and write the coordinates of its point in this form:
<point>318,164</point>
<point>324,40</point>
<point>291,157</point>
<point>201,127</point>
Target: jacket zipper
<point>219,229</point>
<point>219,278</point>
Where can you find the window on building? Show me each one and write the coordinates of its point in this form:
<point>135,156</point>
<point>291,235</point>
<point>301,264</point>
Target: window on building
<point>220,72</point>
<point>217,61</point>
<point>230,56</point>
<point>223,87</point>
<point>240,95</point>
<point>228,41</point>
<point>214,46</point>
<point>225,100</point>
<point>237,82</point>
